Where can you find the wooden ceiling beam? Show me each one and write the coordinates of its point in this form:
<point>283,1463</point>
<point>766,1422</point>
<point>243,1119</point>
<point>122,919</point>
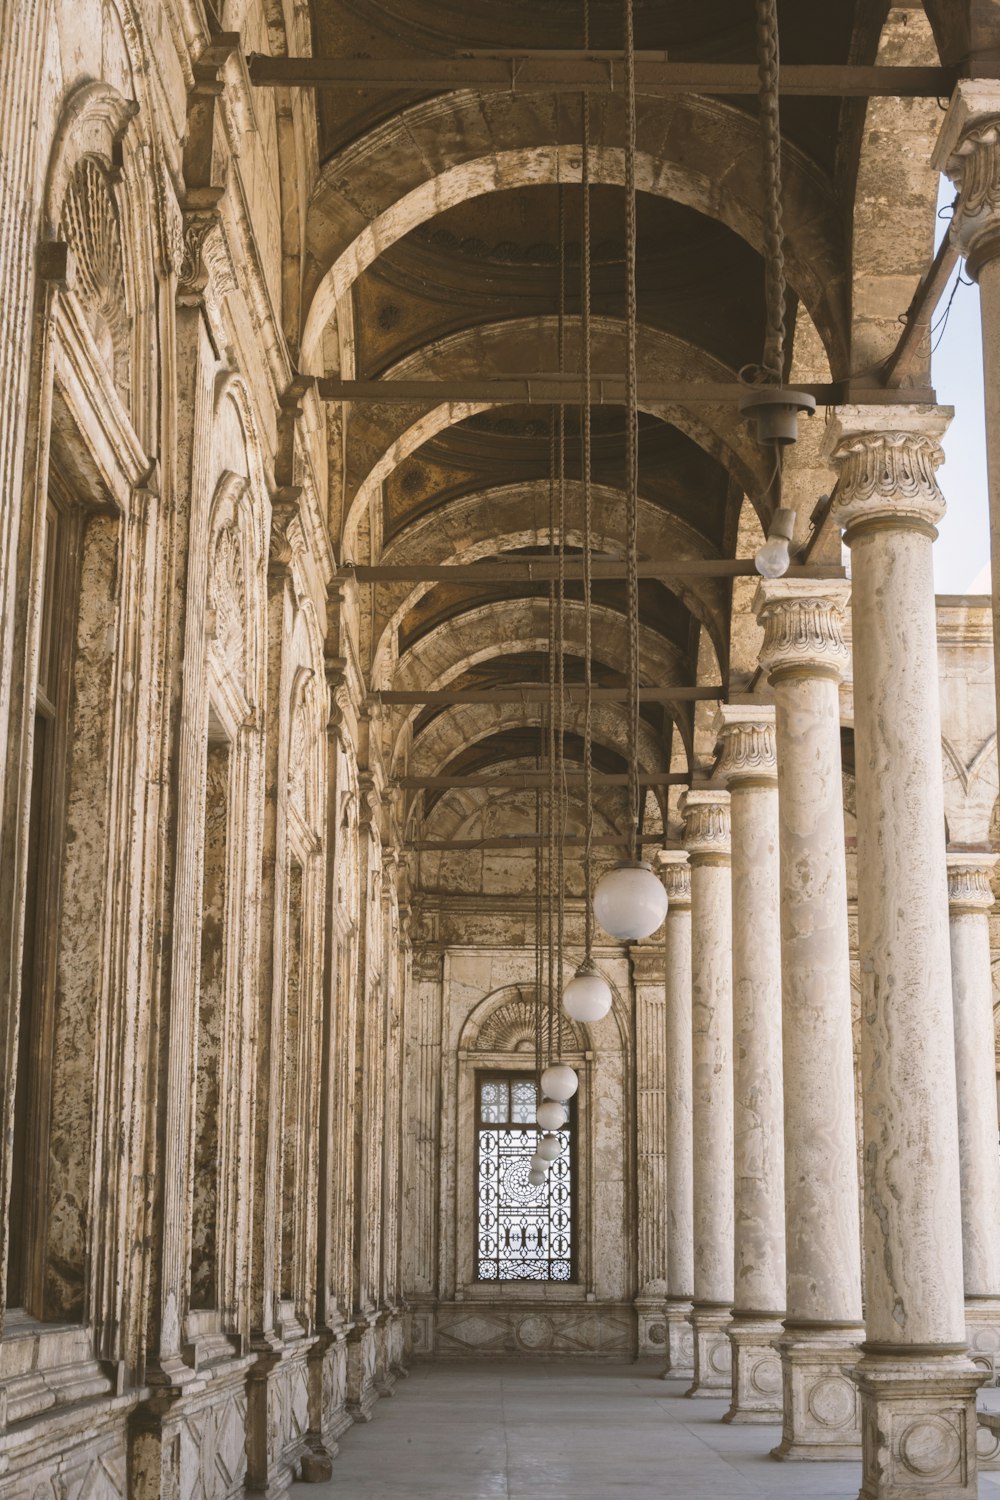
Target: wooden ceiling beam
<point>542,570</point>
<point>539,693</point>
<point>530,71</point>
<point>920,314</point>
<point>530,781</point>
<point>549,389</point>
<point>529,841</point>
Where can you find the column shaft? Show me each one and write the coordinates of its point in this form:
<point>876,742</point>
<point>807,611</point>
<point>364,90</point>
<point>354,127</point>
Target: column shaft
<point>805,653</point>
<point>747,764</point>
<point>888,499</point>
<point>680,1104</point>
<point>707,841</point>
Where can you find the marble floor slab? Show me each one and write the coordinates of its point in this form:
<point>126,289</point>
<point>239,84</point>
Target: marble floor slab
<point>534,1430</point>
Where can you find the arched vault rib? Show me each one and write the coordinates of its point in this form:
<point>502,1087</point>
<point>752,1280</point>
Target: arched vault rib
<point>383,436</point>
<point>477,526</point>
<point>697,151</point>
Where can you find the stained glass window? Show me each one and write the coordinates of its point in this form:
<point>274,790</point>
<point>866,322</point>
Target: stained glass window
<point>525,1233</point>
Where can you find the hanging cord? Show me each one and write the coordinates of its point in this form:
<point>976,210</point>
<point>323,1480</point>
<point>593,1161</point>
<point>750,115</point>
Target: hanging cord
<point>551,811</point>
<point>631,434</point>
<point>563,806</point>
<point>588,504</point>
<point>539,967</point>
<point>773,368</point>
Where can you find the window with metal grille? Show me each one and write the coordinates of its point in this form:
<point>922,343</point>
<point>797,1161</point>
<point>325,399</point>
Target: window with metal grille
<point>525,1233</point>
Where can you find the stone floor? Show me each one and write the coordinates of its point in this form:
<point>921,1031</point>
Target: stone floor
<point>530,1430</point>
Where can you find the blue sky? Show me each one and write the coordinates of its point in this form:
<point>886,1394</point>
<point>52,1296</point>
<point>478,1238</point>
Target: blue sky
<point>962,551</point>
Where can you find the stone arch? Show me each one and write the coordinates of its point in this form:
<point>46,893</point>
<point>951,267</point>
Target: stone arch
<point>680,143</point>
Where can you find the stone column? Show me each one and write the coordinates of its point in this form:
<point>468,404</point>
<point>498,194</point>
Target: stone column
<point>748,767</point>
<point>916,1381</point>
<point>968,151</point>
<point>651,1148</point>
<point>680,1104</point>
<point>706,838</point>
<point>970,898</point>
<point>805,655</point>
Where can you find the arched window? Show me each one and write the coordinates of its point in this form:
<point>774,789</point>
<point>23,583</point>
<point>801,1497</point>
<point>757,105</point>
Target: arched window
<point>525,1232</point>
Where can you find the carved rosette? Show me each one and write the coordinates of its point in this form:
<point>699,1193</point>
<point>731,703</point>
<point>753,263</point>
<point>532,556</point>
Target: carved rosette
<point>969,888</point>
<point>803,628</point>
<point>676,872</point>
<point>887,476</point>
<point>748,751</point>
<point>706,823</point>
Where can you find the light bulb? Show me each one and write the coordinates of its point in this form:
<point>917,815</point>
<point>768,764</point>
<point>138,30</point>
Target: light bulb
<point>560,1082</point>
<point>551,1115</point>
<point>549,1148</point>
<point>772,560</point>
<point>587,997</point>
<point>536,1178</point>
<point>630,901</point>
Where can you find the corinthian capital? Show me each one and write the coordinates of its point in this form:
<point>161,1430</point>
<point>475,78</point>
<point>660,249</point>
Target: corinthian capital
<point>886,459</point>
<point>746,743</point>
<point>969,887</point>
<point>803,627</point>
<point>968,151</point>
<point>706,822</point>
<point>675,868</point>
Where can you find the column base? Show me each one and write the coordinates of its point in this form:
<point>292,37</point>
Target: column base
<point>982,1329</point>
<point>756,1369</point>
<point>918,1417</point>
<point>713,1356</point>
<point>821,1412</point>
<point>679,1341</point>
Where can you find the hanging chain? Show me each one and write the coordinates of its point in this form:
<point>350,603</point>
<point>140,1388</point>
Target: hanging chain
<point>588,507</point>
<point>773,368</point>
<point>632,432</point>
<point>561,627</point>
<point>551,737</point>
<point>539,967</point>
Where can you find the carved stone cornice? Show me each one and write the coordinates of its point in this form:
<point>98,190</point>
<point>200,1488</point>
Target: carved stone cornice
<point>968,151</point>
<point>886,474</point>
<point>803,627</point>
<point>706,822</point>
<point>747,745</point>
<point>969,888</point>
<point>675,867</point>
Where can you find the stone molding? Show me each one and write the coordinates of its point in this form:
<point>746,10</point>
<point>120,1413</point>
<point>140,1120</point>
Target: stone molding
<point>803,627</point>
<point>706,822</point>
<point>968,152</point>
<point>748,748</point>
<point>887,476</point>
<point>969,887</point>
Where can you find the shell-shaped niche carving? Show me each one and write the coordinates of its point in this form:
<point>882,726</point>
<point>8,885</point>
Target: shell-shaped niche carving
<point>90,225</point>
<point>511,1028</point>
<point>228,599</point>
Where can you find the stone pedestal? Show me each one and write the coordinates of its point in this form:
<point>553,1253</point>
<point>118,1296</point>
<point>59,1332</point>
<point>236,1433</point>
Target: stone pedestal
<point>970,898</point>
<point>805,654</point>
<point>706,838</point>
<point>362,1362</point>
<point>680,1160</point>
<point>747,765</point>
<point>917,1385</point>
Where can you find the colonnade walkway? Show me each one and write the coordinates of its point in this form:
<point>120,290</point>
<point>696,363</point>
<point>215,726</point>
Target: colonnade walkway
<point>570,1430</point>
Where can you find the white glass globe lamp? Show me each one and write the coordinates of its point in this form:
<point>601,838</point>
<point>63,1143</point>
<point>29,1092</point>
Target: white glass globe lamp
<point>551,1115</point>
<point>630,901</point>
<point>536,1178</point>
<point>549,1148</point>
<point>539,1163</point>
<point>587,997</point>
<point>560,1082</point>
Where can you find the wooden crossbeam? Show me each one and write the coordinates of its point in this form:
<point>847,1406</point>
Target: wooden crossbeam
<point>539,72</point>
<point>531,841</point>
<point>533,780</point>
<point>542,570</point>
<point>547,389</point>
<point>539,693</point>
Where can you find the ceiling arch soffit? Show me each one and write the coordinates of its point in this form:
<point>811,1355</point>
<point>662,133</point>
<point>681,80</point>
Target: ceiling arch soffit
<point>461,811</point>
<point>695,150</point>
<point>383,436</point>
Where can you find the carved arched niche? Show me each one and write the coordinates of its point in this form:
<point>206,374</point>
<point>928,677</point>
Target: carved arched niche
<point>510,1025</point>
